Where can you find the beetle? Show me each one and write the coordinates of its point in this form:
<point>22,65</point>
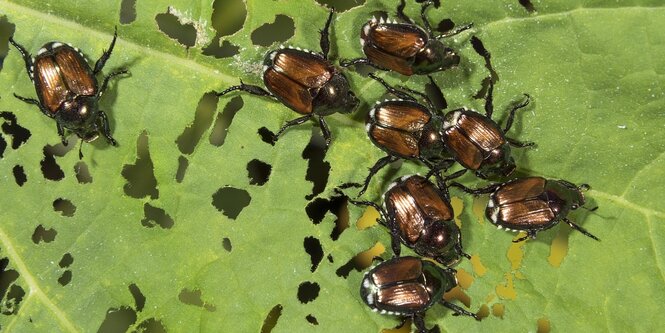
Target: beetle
<point>407,287</point>
<point>306,82</point>
<point>406,129</point>
<point>532,204</point>
<point>419,214</point>
<point>68,90</point>
<point>405,47</point>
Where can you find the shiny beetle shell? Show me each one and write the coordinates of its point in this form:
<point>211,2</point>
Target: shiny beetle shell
<point>425,219</point>
<point>405,286</point>
<point>404,48</point>
<point>61,72</point>
<point>406,129</point>
<point>477,143</point>
<point>532,203</point>
<point>307,83</point>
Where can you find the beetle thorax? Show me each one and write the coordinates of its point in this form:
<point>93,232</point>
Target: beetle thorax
<point>79,112</point>
<point>434,56</point>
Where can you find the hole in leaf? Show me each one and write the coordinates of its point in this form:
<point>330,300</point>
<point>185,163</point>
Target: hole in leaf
<point>139,299</point>
<point>339,207</point>
<point>194,298</point>
<point>317,169</point>
<point>3,146</point>
<point>445,25</point>
<point>171,25</point>
<point>192,134</point>
<point>225,50</point>
<point>10,126</point>
<point>341,5</point>
<point>543,325</point>
<point>317,209</point>
<point>484,88</point>
<point>498,310</point>
<point>231,201</point>
<point>479,47</point>
<point>258,172</point>
<point>151,325</point>
<point>156,216</point>
<point>140,178</point>
<point>83,175</point>
<point>118,320</point>
<point>483,312</point>
<point>271,319</point>
<point>64,206</point>
<point>360,261</point>
<point>315,251</point>
<point>50,168</point>
<point>183,163</point>
<point>7,277</point>
<point>267,136</point>
<point>6,29</point>
<point>224,120</point>
<point>19,175</point>
<point>308,291</point>
<point>312,320</point>
<point>13,300</point>
<point>528,5</point>
<point>42,234</point>
<point>279,31</point>
<point>127,11</point>
<point>226,243</point>
<point>65,278</point>
<point>66,260</point>
<point>228,16</point>
<point>330,258</point>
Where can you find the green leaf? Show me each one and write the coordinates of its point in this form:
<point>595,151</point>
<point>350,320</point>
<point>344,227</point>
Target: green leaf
<point>147,247</point>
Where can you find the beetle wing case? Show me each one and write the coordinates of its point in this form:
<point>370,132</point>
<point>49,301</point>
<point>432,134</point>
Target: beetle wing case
<point>396,125</point>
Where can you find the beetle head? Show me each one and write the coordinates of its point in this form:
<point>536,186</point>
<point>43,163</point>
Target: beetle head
<point>335,96</point>
<point>439,240</point>
<point>435,57</point>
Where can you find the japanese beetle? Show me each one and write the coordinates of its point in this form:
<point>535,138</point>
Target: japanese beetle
<point>407,287</point>
<point>420,216</point>
<point>406,129</point>
<point>405,47</point>
<point>532,204</point>
<point>67,88</point>
<point>306,82</point>
<point>478,143</point>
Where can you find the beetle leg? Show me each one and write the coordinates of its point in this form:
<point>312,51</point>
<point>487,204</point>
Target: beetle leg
<point>511,116</point>
<point>400,12</point>
<point>580,229</point>
<point>455,31</point>
<point>393,90</point>
<point>520,144</point>
<point>375,168</point>
<point>489,99</point>
<point>419,321</point>
<point>460,251</point>
<point>383,220</point>
<point>290,123</point>
<point>27,58</point>
<point>428,26</point>
<point>359,61</point>
<point>458,310</point>
<point>478,191</point>
<point>487,56</point>
<point>325,130</point>
<point>105,55</point>
<point>107,79</point>
<point>424,96</point>
<point>325,40</point>
<point>61,133</point>
<point>36,102</point>
<point>254,90</point>
<point>103,121</point>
